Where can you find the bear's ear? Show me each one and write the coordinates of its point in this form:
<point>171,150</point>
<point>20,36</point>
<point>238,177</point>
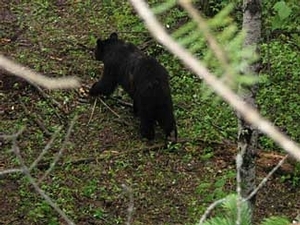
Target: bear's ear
<point>113,36</point>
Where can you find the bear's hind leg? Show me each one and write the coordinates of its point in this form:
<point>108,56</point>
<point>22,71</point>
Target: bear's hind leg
<point>147,128</point>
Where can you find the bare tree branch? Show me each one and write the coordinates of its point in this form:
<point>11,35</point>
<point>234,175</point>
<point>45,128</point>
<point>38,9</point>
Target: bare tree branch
<point>26,172</point>
<point>59,154</point>
<point>248,112</point>
<point>46,82</point>
<point>110,109</point>
<point>45,150</point>
<point>254,192</point>
<point>7,171</point>
<point>35,118</point>
<point>209,209</point>
<point>130,208</point>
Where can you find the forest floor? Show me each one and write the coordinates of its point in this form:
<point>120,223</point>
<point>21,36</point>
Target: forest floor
<point>104,151</point>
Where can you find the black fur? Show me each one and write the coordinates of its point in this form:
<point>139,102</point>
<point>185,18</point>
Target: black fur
<point>143,78</point>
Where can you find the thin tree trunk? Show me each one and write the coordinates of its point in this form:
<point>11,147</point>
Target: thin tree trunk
<point>248,135</point>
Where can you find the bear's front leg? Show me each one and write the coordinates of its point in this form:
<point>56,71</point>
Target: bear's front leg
<point>105,86</point>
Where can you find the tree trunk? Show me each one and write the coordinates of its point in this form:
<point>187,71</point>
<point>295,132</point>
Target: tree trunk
<point>248,135</point>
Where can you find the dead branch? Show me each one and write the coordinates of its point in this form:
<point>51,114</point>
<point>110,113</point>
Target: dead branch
<point>264,181</point>
<point>93,110</point>
<point>59,154</point>
<point>122,103</point>
<point>110,109</point>
<point>209,210</point>
<point>8,171</point>
<point>45,150</point>
<point>26,171</point>
<point>37,78</point>
<point>35,119</point>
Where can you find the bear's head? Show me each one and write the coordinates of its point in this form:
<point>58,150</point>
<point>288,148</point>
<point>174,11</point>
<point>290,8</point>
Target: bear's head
<point>104,46</point>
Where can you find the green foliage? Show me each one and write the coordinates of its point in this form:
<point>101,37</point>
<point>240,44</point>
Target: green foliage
<point>162,7</point>
<point>229,214</point>
<point>284,15</point>
<point>282,85</point>
<point>274,220</point>
<point>43,213</point>
<point>283,11</point>
<point>293,178</point>
<point>230,41</point>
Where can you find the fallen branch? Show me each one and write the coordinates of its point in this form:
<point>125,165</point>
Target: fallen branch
<point>47,97</point>
<point>35,119</point>
<point>122,103</point>
<point>110,109</point>
<point>93,110</point>
<point>59,154</point>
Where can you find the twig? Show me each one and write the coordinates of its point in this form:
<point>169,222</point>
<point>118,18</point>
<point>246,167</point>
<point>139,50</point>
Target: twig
<point>93,110</point>
<point>104,156</point>
<point>47,147</point>
<point>35,119</point>
<point>213,44</point>
<point>7,171</point>
<point>59,154</point>
<point>195,15</point>
<point>48,97</point>
<point>122,103</point>
<point>209,209</point>
<point>266,178</point>
<point>88,49</point>
<point>154,147</point>
<point>26,172</point>
<point>146,44</point>
<point>110,109</point>
<point>37,78</point>
<point>13,136</point>
<point>81,46</point>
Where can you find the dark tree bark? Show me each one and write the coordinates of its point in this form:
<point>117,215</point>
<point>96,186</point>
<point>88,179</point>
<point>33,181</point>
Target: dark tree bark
<point>247,134</point>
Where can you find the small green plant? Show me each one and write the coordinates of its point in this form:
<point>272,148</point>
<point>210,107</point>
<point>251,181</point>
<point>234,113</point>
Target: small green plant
<point>293,178</point>
<point>90,188</point>
<point>43,212</point>
<point>228,214</point>
<point>207,153</point>
<point>99,214</point>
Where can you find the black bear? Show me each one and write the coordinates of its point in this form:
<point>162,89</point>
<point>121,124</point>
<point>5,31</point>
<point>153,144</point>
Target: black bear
<point>143,78</point>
